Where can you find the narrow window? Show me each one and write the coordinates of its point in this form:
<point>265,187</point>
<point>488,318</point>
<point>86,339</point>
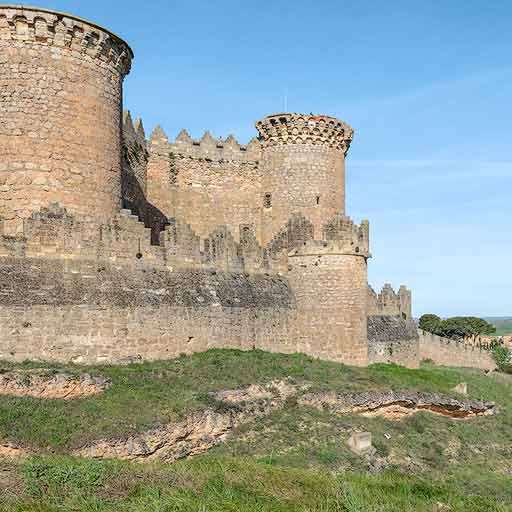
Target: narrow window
<point>317,199</point>
<point>267,200</point>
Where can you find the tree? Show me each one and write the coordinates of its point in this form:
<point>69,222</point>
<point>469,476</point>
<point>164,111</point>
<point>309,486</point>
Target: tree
<point>430,323</point>
<point>455,328</point>
<point>478,326</point>
<point>464,327</point>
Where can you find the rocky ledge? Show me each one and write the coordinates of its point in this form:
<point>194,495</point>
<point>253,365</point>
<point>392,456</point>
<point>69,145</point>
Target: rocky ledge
<point>394,405</point>
<point>201,431</point>
<point>42,383</point>
<point>198,432</point>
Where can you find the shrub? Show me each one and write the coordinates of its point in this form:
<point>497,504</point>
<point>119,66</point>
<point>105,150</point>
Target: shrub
<point>502,357</point>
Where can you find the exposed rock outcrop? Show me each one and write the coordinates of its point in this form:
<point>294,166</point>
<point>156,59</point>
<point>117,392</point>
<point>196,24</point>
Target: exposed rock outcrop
<point>201,431</point>
<point>10,451</point>
<point>394,405</point>
<point>198,432</point>
<point>41,383</point>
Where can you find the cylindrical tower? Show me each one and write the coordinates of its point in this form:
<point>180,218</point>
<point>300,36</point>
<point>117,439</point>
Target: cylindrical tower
<point>303,162</point>
<point>329,279</point>
<point>60,114</point>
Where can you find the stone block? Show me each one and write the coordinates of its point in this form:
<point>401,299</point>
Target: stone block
<point>461,388</point>
<point>360,442</point>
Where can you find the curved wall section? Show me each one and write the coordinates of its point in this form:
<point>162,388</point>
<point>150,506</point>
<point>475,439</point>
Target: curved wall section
<point>303,167</point>
<point>60,115</point>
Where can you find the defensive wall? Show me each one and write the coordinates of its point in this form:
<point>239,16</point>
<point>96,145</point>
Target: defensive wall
<point>116,248</point>
<point>448,352</point>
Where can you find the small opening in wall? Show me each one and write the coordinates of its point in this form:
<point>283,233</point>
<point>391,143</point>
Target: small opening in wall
<point>138,255</point>
<point>317,199</point>
<point>267,200</point>
<point>404,316</point>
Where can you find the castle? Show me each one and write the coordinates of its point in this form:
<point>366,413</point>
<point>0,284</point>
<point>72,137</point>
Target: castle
<point>118,248</point>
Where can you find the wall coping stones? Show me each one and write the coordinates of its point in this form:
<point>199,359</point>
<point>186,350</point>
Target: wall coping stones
<point>294,128</point>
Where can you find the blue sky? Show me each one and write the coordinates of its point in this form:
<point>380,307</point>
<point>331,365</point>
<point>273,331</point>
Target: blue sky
<point>426,85</point>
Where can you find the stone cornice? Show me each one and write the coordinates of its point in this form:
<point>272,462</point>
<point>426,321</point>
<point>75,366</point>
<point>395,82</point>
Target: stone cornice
<point>65,31</point>
<point>291,128</point>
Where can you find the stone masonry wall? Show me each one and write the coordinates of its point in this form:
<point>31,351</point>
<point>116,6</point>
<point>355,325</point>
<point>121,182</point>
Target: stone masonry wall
<point>114,248</point>
<point>301,178</point>
<point>208,183</point>
<point>390,303</point>
<point>60,114</point>
<point>446,352</point>
<point>98,313</point>
<point>330,291</point>
<point>392,339</point>
<point>303,168</point>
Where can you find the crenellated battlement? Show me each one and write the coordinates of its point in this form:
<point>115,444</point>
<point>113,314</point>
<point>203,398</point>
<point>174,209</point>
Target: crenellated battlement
<point>43,26</point>
<point>388,302</point>
<point>353,237</point>
<point>133,131</point>
<point>206,148</point>
<point>317,130</point>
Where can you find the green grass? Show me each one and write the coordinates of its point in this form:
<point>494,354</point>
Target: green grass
<point>212,483</point>
<point>504,330</point>
<point>295,459</point>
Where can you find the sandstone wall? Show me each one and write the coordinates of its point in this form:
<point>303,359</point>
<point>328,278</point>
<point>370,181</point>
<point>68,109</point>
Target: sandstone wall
<point>392,339</point>
<point>208,184</point>
<point>94,313</point>
<point>212,194</point>
<point>303,169</point>
<point>390,303</point>
<point>60,115</point>
<point>446,352</point>
<point>330,291</point>
<point>302,178</point>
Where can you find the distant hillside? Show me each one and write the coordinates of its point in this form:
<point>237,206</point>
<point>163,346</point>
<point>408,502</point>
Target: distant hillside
<point>503,324</point>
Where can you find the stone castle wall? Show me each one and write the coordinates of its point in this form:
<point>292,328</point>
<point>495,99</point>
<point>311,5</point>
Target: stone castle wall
<point>393,339</point>
<point>204,186</point>
<point>60,113</point>
<point>330,291</point>
<point>114,248</point>
<point>303,164</point>
<point>447,352</point>
<point>390,303</point>
<point>85,312</point>
<point>296,166</point>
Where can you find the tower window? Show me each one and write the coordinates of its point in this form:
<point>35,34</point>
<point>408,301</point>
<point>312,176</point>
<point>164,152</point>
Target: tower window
<point>267,200</point>
<point>317,199</point>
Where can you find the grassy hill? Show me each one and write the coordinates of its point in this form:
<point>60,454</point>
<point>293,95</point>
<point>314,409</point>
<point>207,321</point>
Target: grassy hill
<point>293,459</point>
<point>503,325</point>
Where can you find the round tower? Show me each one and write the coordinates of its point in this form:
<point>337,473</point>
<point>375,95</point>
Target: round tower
<point>303,162</point>
<point>60,114</point>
